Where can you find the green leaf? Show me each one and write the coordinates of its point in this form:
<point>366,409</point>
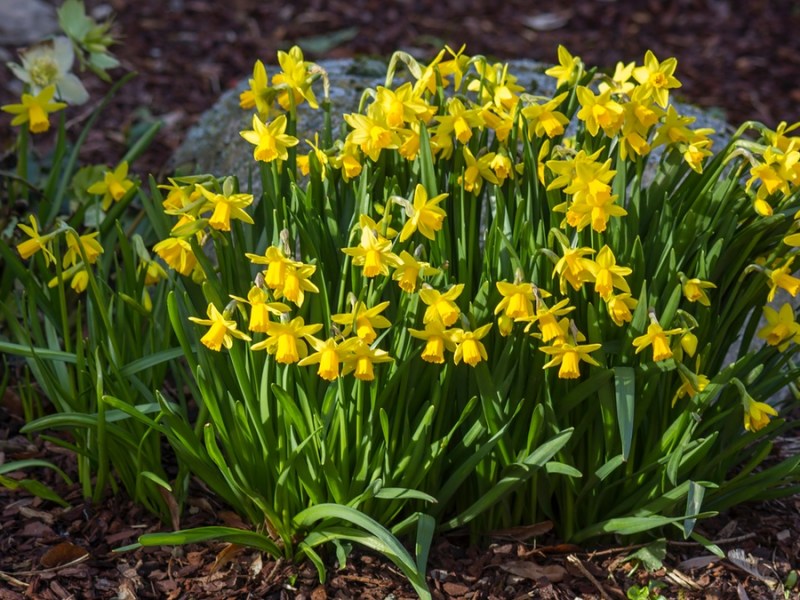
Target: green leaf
<point>651,556</point>
<point>205,534</point>
<point>625,390</point>
<point>516,474</point>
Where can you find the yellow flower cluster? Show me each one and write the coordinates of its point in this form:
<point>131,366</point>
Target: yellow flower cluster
<point>479,128</point>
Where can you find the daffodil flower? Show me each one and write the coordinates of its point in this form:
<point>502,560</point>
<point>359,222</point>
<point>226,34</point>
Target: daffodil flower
<point>782,278</point>
<point>227,207</point>
<point>608,275</point>
<point>363,320</point>
<point>569,356</point>
<point>408,272</point>
<point>114,186</point>
<point>619,308</point>
<point>361,357</point>
<point>261,308</point>
<point>278,266</point>
<point>437,340</point>
<point>781,327</point>
<point>36,242</point>
<point>91,247</point>
<point>221,332</point>
<point>329,355</point>
<point>469,347</point>
<point>287,340</point>
<point>423,215</point>
<point>566,68</point>
<point>657,77</point>
<point>441,306</point>
<point>296,284</point>
<point>35,110</point>
<point>374,253</point>
<point>177,253</point>
<point>517,300</point>
<point>694,290</point>
<point>658,338</point>
<point>271,141</point>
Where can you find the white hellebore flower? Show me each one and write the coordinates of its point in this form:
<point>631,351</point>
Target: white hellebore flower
<point>49,63</point>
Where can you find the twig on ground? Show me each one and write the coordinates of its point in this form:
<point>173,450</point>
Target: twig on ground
<point>574,560</point>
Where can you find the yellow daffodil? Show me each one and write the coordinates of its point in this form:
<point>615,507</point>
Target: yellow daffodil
<point>756,414</point>
<point>569,356</point>
<point>782,278</point>
<point>329,355</point>
<point>261,308</point>
<point>258,95</point>
<point>178,254</point>
<point>91,247</point>
<point>153,272</point>
<point>459,120</point>
<point>77,275</point>
<point>296,284</point>
<point>363,320</point>
<point>544,119</point>
<point>437,340</point>
<point>608,275</point>
<point>370,135</point>
<point>278,266</point>
<point>271,141</point>
<point>694,290</point>
<point>476,171</point>
<point>780,328</point>
<point>619,308</point>
<point>546,319</point>
<point>658,338</point>
<point>566,69</point>
<point>469,346</point>
<point>657,77</point>
<point>295,76</point>
<point>441,306</point>
<point>374,253</point>
<point>35,110</point>
<point>573,268</point>
<point>517,299</point>
<point>360,359</point>
<point>423,215</point>
<point>36,242</point>
<point>287,340</point>
<point>408,272</point>
<point>114,186</point>
<point>600,112</point>
<point>221,332</point>
<point>690,388</point>
<point>227,207</point>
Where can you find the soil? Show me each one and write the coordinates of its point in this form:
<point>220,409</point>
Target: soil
<point>740,58</point>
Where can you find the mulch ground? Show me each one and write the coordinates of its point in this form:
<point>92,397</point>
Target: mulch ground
<point>742,58</point>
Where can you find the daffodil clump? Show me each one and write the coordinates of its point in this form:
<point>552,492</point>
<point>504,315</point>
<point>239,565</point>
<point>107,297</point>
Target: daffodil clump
<point>466,239</point>
<point>476,305</point>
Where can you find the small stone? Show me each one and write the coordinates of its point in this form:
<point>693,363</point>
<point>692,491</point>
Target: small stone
<point>23,23</point>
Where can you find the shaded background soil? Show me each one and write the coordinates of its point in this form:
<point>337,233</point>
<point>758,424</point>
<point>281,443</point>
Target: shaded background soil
<point>742,58</point>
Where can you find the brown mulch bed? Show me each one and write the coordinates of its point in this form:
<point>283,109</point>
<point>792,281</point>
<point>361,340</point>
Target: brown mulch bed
<point>742,58</point>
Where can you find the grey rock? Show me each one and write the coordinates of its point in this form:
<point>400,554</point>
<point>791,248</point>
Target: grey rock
<point>214,145</point>
<point>24,22</point>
